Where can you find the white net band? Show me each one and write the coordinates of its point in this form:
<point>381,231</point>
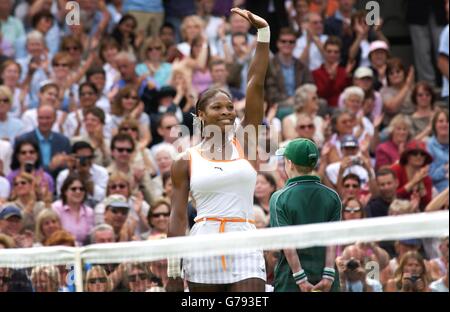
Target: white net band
<point>421,225</point>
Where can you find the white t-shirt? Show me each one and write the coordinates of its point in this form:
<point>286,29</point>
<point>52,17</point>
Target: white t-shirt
<point>30,120</point>
<point>6,152</point>
<point>315,57</point>
<point>4,188</point>
<point>332,172</point>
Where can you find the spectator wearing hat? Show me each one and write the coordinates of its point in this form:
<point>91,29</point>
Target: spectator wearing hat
<point>352,162</point>
<point>412,173</point>
<point>364,78</point>
<point>12,222</point>
<point>82,163</point>
<point>378,56</point>
<point>119,184</point>
<point>76,217</point>
<point>314,268</point>
<point>361,36</point>
<point>438,145</point>
<point>116,215</point>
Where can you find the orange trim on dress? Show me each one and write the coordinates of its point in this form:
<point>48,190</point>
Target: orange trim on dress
<point>222,228</point>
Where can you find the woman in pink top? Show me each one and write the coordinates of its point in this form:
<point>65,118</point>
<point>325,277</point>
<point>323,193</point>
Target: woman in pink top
<point>400,131</point>
<point>76,218</point>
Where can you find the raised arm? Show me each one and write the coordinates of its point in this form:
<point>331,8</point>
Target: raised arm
<point>254,110</point>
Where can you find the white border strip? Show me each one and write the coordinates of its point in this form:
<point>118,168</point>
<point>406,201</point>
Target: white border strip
<point>433,224</point>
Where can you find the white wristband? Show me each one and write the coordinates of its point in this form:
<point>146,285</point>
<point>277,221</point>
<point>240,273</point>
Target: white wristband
<point>263,34</point>
<point>174,267</point>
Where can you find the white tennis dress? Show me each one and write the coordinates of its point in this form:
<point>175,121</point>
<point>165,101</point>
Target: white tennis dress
<point>223,192</point>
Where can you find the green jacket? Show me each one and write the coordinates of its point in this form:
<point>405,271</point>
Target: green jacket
<point>303,200</point>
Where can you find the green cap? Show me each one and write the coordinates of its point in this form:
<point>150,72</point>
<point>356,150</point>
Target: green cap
<point>302,152</point>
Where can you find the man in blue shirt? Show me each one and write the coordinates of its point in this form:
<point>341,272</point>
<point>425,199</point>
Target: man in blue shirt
<point>53,147</point>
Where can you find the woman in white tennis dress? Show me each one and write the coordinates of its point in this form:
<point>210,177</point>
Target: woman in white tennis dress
<point>222,179</point>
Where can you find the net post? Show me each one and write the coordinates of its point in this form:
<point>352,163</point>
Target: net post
<point>78,271</point>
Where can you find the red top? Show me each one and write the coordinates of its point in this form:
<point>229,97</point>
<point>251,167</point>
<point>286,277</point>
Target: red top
<point>328,88</point>
<point>402,177</point>
<point>386,154</point>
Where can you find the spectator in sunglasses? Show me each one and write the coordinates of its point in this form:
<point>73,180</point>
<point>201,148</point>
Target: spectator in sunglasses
<point>413,173</point>
<point>158,218</point>
<point>153,63</point>
<point>122,148</point>
<point>76,217</point>
<point>97,280</point>
<point>94,123</point>
<point>116,215</point>
<point>280,86</point>
<point>306,101</point>
<point>127,104</point>
<point>94,176</point>
<point>138,277</point>
<point>352,209</point>
<point>350,187</point>
<point>142,157</point>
